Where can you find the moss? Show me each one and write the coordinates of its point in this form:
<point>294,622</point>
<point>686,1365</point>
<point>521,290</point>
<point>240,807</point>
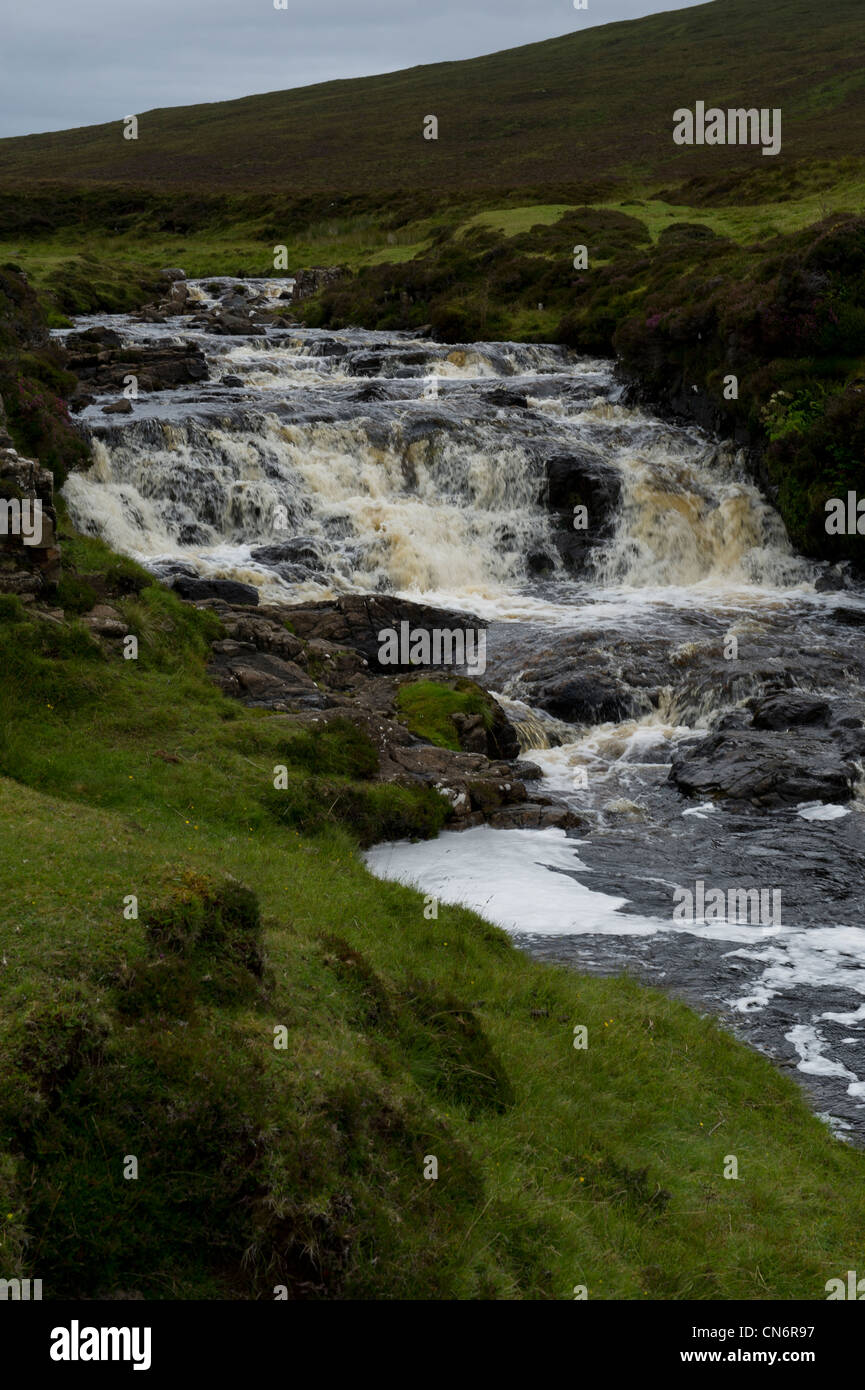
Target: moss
<point>427,709</point>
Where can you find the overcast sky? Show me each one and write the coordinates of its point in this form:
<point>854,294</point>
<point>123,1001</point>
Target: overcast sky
<point>67,63</point>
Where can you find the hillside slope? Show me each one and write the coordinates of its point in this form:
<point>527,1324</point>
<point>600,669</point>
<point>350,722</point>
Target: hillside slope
<point>569,110</point>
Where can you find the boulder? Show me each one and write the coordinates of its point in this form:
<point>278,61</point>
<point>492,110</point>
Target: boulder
<point>581,479</point>
<point>786,709</point>
<point>355,620</point>
<point>586,699</point>
<point>768,768</point>
<point>102,364</point>
<point>231,590</point>
<point>260,679</point>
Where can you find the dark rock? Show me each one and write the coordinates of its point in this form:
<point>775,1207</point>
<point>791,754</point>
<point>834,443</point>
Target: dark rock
<point>236,326</point>
<point>355,620</point>
<point>90,339</point>
<point>507,398</point>
<point>329,347</point>
<point>263,680</point>
<point>768,769</point>
<point>299,557</point>
<point>786,709</point>
<point>832,579</point>
<point>372,392</point>
<point>471,732</point>
<point>586,480</point>
<point>850,617</point>
<point>123,407</point>
<point>231,590</point>
<point>586,699</point>
<point>102,364</point>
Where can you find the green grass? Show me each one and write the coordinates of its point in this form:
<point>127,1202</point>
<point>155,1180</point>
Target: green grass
<point>406,1035</point>
<point>426,708</point>
<point>513,221</point>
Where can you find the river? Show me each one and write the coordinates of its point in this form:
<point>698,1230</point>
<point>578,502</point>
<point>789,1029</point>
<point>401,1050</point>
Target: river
<point>372,462</point>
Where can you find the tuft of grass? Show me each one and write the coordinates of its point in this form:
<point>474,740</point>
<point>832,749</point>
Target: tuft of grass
<point>427,708</point>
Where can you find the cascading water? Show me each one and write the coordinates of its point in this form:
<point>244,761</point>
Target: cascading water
<point>332,462</point>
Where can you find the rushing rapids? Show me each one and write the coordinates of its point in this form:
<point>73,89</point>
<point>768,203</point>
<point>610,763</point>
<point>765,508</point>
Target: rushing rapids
<point>675,630</point>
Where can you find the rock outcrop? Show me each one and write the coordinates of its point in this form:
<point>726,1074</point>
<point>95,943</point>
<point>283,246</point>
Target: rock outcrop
<point>103,364</point>
<point>310,677</point>
<point>29,551</point>
<point>787,748</point>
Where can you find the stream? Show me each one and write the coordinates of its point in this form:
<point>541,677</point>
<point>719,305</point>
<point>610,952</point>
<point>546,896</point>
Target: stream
<point>314,463</point>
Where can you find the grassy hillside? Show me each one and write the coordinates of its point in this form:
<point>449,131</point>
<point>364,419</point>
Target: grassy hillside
<point>591,107</point>
<point>152,1037</point>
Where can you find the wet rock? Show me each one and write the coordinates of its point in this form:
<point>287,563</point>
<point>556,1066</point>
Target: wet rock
<point>231,590</point>
<point>295,560</point>
<point>103,364</point>
<point>849,616</point>
<point>171,272</point>
<point>786,709</point>
<point>584,699</point>
<point>123,407</point>
<point>372,392</point>
<point>329,347</point>
<point>507,398</point>
<point>581,480</point>
<point>236,325</point>
<point>355,620</point>
<point>833,579</point>
<point>769,768</point>
<point>90,339</point>
<point>232,380</point>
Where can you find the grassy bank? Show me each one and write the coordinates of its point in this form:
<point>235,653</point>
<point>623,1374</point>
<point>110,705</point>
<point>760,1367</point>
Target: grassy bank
<point>401,1036</point>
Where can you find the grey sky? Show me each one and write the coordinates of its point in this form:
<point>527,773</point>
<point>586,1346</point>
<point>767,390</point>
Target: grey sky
<point>66,63</point>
